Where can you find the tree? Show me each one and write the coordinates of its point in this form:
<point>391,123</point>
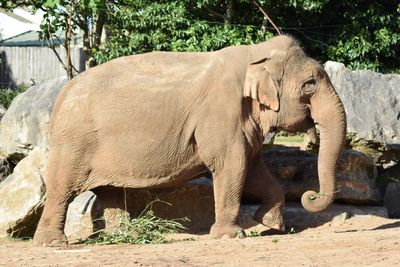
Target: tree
<point>89,16</point>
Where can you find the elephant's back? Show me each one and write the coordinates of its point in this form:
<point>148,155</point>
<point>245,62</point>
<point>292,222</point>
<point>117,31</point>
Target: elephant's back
<point>155,70</point>
<point>151,73</point>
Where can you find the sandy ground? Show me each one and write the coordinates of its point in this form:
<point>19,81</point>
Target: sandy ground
<point>366,241</point>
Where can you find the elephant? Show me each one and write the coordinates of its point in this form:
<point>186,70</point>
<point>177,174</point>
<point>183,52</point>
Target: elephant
<point>160,119</point>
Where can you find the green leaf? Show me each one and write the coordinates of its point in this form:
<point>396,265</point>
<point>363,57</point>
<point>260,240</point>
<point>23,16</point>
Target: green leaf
<point>313,197</point>
<point>51,3</point>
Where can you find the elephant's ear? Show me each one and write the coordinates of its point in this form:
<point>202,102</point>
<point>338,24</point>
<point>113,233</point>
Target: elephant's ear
<point>261,86</point>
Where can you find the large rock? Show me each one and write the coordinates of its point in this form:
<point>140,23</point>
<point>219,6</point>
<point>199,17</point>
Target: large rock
<point>21,196</point>
<point>391,199</point>
<point>80,216</point>
<point>371,101</point>
<point>297,171</point>
<point>25,124</point>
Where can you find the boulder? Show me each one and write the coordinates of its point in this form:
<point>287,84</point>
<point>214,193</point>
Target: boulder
<point>371,101</point>
<point>22,196</point>
<point>24,125</point>
<point>80,216</point>
<point>297,171</point>
<point>391,199</point>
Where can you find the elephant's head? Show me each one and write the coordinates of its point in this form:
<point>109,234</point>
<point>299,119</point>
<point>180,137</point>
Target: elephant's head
<point>292,91</point>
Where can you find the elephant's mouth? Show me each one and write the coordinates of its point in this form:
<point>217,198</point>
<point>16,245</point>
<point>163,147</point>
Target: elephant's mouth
<point>302,126</point>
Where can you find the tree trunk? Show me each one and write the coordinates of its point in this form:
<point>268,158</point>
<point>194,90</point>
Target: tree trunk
<point>229,12</point>
<point>67,46</point>
<point>96,38</point>
<point>87,48</point>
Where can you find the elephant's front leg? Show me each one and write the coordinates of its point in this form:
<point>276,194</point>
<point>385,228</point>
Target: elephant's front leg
<point>261,185</point>
<point>228,180</point>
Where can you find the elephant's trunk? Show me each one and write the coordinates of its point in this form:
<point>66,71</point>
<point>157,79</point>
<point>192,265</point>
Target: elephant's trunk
<point>326,110</point>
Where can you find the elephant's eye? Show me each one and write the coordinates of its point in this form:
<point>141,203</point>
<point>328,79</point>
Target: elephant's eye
<point>309,86</point>
<point>310,82</point>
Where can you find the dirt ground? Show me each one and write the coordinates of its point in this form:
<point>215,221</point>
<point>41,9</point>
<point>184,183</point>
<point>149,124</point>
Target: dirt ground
<point>363,240</point>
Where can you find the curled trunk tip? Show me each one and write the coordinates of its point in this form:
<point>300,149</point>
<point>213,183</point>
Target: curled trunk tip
<point>315,202</point>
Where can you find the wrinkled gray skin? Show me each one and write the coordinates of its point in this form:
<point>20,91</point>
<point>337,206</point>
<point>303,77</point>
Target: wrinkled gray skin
<point>162,118</point>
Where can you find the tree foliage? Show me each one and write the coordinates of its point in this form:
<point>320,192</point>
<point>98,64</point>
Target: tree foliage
<point>88,16</point>
<point>361,33</point>
<point>142,26</point>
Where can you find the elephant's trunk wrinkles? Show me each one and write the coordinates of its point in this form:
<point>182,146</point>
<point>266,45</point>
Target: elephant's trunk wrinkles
<point>327,110</point>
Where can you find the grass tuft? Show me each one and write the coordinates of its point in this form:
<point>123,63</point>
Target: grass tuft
<point>147,228</point>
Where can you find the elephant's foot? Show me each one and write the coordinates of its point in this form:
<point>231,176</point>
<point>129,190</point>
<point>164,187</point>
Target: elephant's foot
<point>226,231</point>
<point>49,239</point>
<point>272,219</point>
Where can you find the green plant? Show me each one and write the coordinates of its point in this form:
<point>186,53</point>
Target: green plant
<point>254,233</point>
<point>275,240</point>
<point>147,228</point>
<point>7,95</point>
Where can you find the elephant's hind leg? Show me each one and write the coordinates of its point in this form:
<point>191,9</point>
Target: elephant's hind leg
<point>60,177</point>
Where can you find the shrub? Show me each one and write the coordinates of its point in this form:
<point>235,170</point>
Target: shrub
<point>7,95</point>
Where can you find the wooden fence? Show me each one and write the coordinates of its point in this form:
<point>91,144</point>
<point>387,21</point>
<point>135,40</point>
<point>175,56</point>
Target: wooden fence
<point>25,64</point>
